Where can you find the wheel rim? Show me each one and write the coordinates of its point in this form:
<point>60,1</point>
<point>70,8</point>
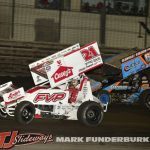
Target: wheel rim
<point>104,98</point>
<point>27,114</point>
<point>93,115</point>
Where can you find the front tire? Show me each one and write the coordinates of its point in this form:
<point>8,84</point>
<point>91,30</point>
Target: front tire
<point>24,112</point>
<point>3,115</point>
<point>90,113</point>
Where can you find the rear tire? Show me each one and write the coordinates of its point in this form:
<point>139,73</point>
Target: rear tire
<point>90,113</point>
<point>145,98</point>
<point>24,112</point>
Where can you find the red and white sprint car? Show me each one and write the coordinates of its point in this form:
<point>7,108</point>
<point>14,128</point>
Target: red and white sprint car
<point>62,89</point>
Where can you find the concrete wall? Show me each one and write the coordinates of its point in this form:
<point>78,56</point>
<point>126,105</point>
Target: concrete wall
<point>75,26</point>
<point>25,17</point>
<point>25,26</point>
<point>75,5</point>
<point>79,27</point>
<point>148,37</point>
<point>121,31</point>
<point>5,19</point>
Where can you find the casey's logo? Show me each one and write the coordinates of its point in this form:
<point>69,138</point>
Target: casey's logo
<point>62,73</point>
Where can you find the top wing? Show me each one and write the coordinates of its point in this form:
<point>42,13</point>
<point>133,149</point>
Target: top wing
<point>38,68</point>
<point>72,64</point>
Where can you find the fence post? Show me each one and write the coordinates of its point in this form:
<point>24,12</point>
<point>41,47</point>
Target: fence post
<point>146,22</point>
<point>103,25</point>
<point>12,19</point>
<point>60,19</point>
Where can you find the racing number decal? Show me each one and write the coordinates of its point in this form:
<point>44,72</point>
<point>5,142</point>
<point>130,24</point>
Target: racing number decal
<point>49,98</point>
<point>89,53</point>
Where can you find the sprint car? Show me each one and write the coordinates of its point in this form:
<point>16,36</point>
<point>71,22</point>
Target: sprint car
<point>62,89</point>
<point>134,86</point>
<point>8,92</point>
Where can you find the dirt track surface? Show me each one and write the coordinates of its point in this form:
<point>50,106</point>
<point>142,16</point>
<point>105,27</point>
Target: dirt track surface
<point>120,120</point>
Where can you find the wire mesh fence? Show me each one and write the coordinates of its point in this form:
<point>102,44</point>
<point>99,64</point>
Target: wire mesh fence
<point>71,21</point>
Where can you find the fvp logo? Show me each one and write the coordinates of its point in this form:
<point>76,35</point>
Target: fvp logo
<point>49,98</point>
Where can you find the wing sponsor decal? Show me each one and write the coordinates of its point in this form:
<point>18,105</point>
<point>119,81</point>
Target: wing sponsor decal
<point>131,66</point>
<point>62,73</point>
<point>147,57</point>
<point>89,53</point>
<point>73,64</point>
<point>139,62</point>
<point>38,68</point>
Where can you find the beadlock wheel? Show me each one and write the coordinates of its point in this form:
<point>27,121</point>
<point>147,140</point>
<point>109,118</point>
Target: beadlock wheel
<point>90,113</point>
<point>24,112</point>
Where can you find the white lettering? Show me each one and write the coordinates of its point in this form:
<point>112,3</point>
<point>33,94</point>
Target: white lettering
<point>69,139</point>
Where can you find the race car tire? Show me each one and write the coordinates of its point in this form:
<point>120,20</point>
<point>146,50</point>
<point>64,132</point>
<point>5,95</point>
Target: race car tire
<point>90,113</point>
<point>3,115</point>
<point>145,98</point>
<point>24,112</point>
<point>104,96</point>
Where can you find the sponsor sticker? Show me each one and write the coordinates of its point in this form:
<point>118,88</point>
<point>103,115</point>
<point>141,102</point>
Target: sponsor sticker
<point>14,95</point>
<point>49,98</point>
